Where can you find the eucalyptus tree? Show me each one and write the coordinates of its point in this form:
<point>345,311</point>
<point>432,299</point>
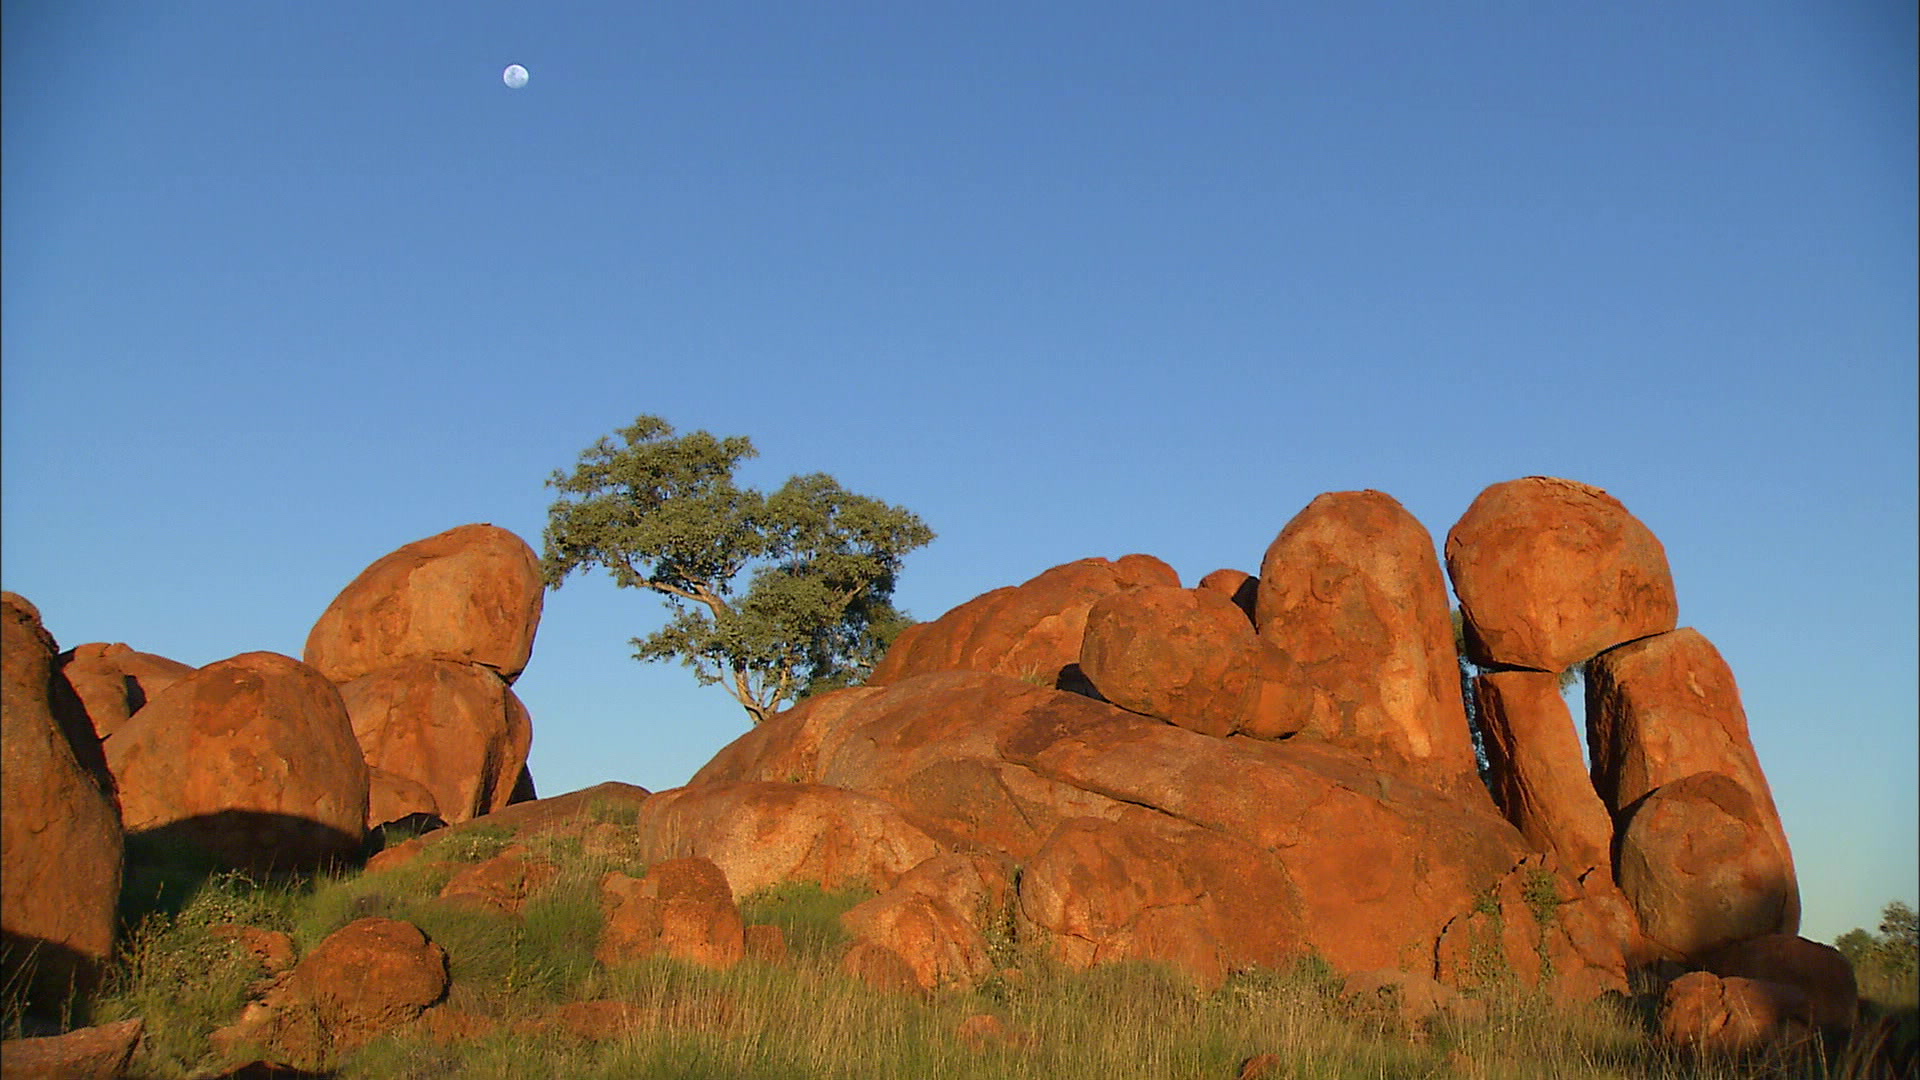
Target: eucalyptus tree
<point>773,596</point>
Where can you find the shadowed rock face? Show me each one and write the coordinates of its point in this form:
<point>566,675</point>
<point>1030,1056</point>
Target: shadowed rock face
<point>252,759</point>
<point>1550,572</point>
<point>1702,870</point>
<point>471,594</point>
<point>1538,776</point>
<point>455,729</point>
<point>113,681</point>
<point>60,836</point>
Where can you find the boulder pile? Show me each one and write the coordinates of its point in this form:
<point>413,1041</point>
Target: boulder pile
<point>1098,764</point>
<point>402,705</point>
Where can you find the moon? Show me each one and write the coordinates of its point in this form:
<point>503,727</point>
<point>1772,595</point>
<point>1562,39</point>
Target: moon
<point>515,76</point>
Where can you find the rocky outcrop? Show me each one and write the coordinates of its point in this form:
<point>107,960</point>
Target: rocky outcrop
<point>1536,771</point>
<point>1031,631</point>
<point>251,759</point>
<point>1551,572</point>
<point>60,832</point>
<point>471,595</point>
<point>1702,870</point>
<point>1236,585</point>
<point>1664,708</point>
<point>1191,658</point>
<point>1351,590</point>
<point>113,681</point>
<point>455,729</point>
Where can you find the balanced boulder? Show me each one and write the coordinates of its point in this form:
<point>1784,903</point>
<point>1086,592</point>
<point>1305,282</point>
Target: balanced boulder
<point>471,594</point>
<point>1550,572</point>
<point>252,759</point>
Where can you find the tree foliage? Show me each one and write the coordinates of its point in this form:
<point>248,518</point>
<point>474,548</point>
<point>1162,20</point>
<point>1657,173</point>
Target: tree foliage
<point>774,596</point>
<point>1886,963</point>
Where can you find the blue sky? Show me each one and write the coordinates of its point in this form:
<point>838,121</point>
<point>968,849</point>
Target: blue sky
<point>287,286</point>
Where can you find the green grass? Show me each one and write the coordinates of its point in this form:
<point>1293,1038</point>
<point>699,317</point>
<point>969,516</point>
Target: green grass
<point>804,1019</point>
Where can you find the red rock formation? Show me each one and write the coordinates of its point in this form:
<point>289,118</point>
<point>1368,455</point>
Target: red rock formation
<point>1191,658</point>
<point>1540,928</point>
<point>761,834</point>
<point>1031,631</point>
<point>471,594</point>
<point>365,979</point>
<point>504,882</point>
<point>60,836</point>
<point>1667,707</point>
<point>1352,591</point>
<point>455,729</point>
<point>1705,1011</point>
<point>1539,778</point>
<point>1550,572</point>
<point>682,907</point>
<point>252,758</point>
<point>1701,869</point>
<point>113,682</point>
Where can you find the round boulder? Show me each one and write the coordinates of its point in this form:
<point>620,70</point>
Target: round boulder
<point>471,594</point>
<point>1550,572</point>
<point>252,759</point>
<point>1701,869</point>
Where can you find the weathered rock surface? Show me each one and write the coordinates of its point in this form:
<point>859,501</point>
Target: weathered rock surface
<point>455,729</point>
<point>1191,658</point>
<point>94,1053</point>
<point>986,763</point>
<point>1030,631</point>
<point>1706,1011</point>
<point>365,979</point>
<point>1702,870</point>
<point>1550,572</point>
<point>113,681</point>
<point>1540,928</point>
<point>471,594</point>
<point>60,835</point>
<point>761,834</point>
<point>392,798</point>
<point>682,907</point>
<point>1352,591</point>
<point>1815,969</point>
<point>1539,778</point>
<point>252,759</point>
<point>1667,707</point>
<point>580,813</point>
